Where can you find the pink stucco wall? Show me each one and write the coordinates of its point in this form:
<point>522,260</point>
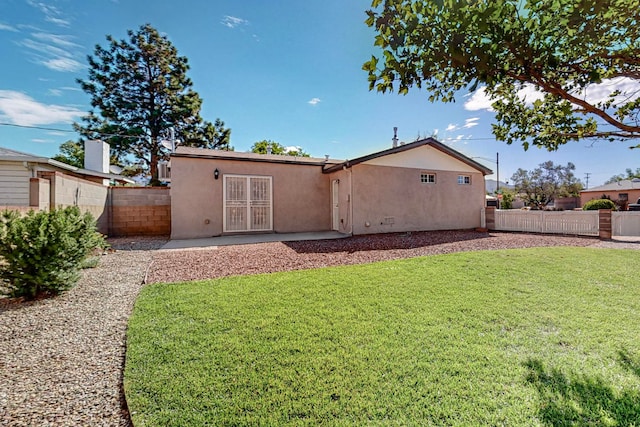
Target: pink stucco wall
<point>392,199</point>
<point>372,198</point>
<point>300,195</point>
<point>633,195</point>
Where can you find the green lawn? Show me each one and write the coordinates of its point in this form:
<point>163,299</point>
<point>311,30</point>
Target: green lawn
<point>547,336</point>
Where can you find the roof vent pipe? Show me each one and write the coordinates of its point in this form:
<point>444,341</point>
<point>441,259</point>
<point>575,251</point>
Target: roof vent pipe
<point>395,137</point>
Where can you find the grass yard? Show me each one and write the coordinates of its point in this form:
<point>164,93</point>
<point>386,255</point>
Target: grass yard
<point>547,336</point>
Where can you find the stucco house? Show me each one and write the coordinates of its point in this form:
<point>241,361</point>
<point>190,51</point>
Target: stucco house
<point>622,192</point>
<point>423,185</point>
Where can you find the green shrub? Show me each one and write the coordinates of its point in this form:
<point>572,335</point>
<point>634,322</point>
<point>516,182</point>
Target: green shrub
<point>594,205</point>
<point>42,252</point>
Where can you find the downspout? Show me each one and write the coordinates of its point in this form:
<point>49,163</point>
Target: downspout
<point>351,198</point>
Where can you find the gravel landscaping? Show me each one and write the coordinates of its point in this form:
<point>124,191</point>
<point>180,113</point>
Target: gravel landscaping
<point>61,359</point>
<point>184,265</point>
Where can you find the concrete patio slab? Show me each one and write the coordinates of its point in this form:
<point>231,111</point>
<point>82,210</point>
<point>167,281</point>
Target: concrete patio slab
<point>245,239</point>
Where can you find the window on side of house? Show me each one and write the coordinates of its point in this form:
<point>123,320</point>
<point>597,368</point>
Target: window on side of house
<point>623,196</point>
<point>464,179</point>
<point>428,178</point>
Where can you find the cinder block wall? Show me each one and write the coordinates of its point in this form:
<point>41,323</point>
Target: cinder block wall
<point>137,211</point>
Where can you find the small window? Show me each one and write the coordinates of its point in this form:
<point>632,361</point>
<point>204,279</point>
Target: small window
<point>464,179</point>
<point>623,196</point>
<point>428,178</point>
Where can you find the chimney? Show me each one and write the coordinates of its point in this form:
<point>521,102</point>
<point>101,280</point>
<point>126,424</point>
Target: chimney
<point>268,148</point>
<point>96,156</point>
<point>395,137</point>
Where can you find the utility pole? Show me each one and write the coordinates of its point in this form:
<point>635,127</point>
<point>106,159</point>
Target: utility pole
<point>498,173</point>
<point>587,174</point>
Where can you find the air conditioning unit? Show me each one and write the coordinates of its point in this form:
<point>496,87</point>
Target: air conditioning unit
<point>164,171</point>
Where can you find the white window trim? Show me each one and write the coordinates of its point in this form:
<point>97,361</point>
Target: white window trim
<point>464,179</point>
<point>435,178</point>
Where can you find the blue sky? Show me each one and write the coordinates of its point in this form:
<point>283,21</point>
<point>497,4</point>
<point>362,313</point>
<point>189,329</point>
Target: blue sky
<point>289,71</point>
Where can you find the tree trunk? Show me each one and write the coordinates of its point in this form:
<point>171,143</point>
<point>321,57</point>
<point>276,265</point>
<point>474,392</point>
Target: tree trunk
<point>153,169</point>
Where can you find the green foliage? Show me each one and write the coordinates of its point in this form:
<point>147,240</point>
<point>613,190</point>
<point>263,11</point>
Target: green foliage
<point>508,196</point>
<point>630,174</point>
<point>141,95</point>
<point>276,148</point>
<point>596,204</point>
<point>542,185</point>
<point>451,340</point>
<point>43,252</point>
<point>561,48</point>
<point>71,153</point>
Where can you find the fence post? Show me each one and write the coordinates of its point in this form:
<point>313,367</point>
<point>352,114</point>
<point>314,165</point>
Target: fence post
<point>604,224</point>
<point>490,218</point>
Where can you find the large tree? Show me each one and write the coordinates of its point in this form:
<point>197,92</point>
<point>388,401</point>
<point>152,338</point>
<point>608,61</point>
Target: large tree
<point>564,49</point>
<point>141,95</point>
<point>629,174</point>
<point>545,183</point>
<point>263,146</point>
<point>71,153</point>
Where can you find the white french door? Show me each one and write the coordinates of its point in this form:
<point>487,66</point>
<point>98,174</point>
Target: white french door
<point>247,203</point>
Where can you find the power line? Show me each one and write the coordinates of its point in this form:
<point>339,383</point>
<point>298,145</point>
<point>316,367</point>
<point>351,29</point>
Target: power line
<point>67,130</point>
<point>37,127</point>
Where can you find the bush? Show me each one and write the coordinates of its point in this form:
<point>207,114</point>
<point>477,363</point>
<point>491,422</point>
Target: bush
<point>594,205</point>
<point>42,252</point>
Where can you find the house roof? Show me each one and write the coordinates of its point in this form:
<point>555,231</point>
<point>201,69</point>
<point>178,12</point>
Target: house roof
<point>18,156</point>
<point>428,141</point>
<point>622,185</point>
<point>329,165</point>
<point>252,157</point>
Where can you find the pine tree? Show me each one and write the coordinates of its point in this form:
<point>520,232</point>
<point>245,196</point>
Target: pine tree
<point>140,95</point>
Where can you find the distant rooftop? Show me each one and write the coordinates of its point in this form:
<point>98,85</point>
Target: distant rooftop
<point>624,184</point>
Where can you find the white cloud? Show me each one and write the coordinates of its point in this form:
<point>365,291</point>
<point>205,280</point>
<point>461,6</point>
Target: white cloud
<point>54,51</point>
<point>451,127</point>
<point>51,13</point>
<point>314,101</point>
<point>629,90</point>
<point>55,92</point>
<point>594,93</point>
<point>233,21</point>
<point>58,21</point>
<point>56,39</point>
<point>63,64</point>
<point>478,101</point>
<point>20,109</point>
<point>5,27</point>
<point>292,148</point>
<point>471,122</point>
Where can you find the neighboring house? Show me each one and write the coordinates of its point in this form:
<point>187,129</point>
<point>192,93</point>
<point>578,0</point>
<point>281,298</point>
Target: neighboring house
<point>424,185</point>
<point>622,192</point>
<point>30,182</point>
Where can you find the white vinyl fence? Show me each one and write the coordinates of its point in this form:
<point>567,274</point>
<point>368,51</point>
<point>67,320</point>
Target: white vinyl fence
<point>625,223</point>
<point>584,223</point>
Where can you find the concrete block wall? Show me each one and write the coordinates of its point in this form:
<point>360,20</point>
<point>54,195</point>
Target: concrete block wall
<point>136,211</point>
